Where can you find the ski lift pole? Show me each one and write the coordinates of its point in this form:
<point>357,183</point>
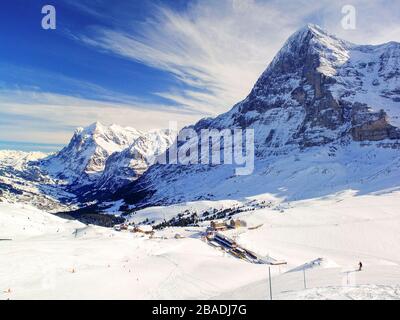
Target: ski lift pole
<point>270,283</point>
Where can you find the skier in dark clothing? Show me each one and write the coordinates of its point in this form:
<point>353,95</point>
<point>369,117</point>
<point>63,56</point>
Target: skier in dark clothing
<point>360,266</point>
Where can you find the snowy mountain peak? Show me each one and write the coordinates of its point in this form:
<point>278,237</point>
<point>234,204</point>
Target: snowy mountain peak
<point>307,43</point>
<point>93,127</point>
<point>86,154</point>
<point>315,30</point>
<point>320,89</point>
<point>311,33</point>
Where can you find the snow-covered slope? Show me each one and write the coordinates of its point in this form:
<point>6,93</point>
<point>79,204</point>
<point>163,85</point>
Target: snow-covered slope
<point>126,166</point>
<point>341,230</point>
<point>18,159</point>
<point>48,257</point>
<point>371,76</point>
<point>324,115</point>
<point>21,180</point>
<point>20,222</point>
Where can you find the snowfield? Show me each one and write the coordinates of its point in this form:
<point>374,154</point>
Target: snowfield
<point>51,258</point>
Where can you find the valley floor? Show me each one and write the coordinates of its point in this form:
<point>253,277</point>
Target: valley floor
<point>45,257</point>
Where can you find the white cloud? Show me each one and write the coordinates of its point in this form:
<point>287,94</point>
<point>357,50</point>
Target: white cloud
<point>377,21</point>
<point>51,118</point>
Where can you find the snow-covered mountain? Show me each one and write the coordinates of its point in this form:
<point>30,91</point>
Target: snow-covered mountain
<point>325,115</point>
<point>85,157</point>
<point>319,90</point>
<point>326,118</point>
<point>97,158</point>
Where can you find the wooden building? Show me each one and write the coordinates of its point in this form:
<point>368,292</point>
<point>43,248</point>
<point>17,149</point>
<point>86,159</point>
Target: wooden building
<point>218,226</point>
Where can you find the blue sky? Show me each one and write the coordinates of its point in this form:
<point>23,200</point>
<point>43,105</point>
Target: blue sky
<point>144,63</point>
<point>48,54</point>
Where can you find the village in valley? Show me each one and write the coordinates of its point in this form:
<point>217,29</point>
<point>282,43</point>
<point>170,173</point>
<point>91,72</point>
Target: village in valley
<point>218,234</point>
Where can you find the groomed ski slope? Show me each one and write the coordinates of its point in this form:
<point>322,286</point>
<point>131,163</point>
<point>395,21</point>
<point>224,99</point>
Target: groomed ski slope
<point>58,259</point>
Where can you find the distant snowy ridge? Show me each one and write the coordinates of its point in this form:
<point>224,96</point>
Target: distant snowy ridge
<point>85,156</point>
<point>97,158</point>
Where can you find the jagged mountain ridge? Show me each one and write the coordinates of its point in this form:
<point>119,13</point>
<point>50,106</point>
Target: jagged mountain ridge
<point>97,158</point>
<point>128,165</point>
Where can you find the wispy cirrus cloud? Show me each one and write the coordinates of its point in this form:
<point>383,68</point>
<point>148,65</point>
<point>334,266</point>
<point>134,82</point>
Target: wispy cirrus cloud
<point>217,50</point>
